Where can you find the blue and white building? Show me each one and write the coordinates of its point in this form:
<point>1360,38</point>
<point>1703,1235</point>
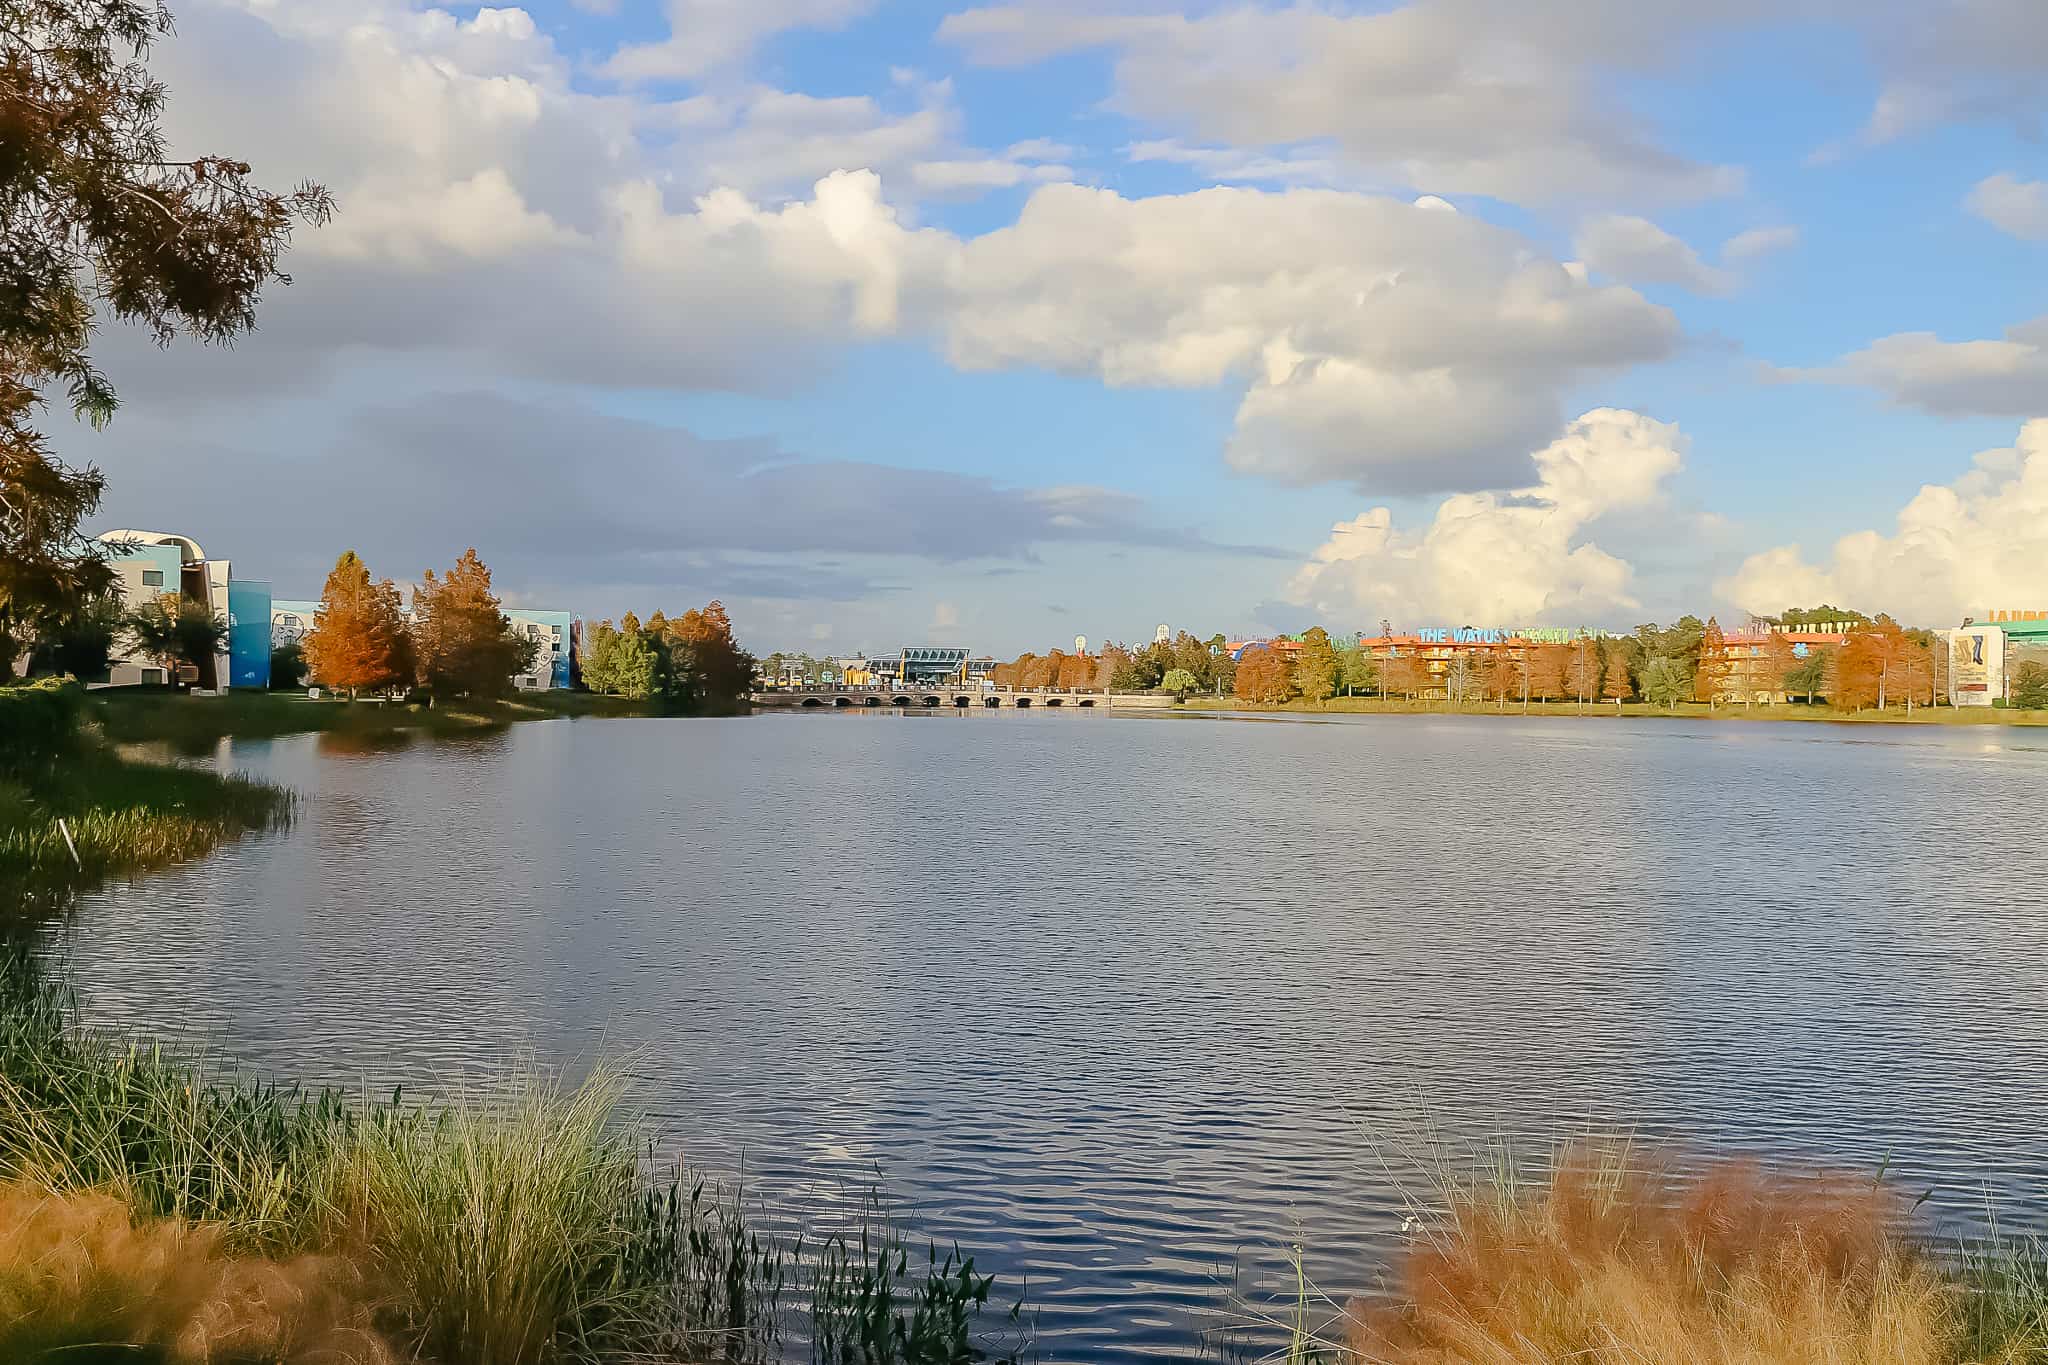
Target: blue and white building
<point>149,564</point>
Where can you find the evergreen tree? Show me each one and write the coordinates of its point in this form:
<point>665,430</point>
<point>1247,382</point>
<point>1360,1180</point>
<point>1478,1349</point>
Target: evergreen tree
<point>1315,666</point>
<point>1356,672</point>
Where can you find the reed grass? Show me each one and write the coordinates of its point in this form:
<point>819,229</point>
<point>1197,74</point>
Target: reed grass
<point>124,817</point>
<point>517,1224</point>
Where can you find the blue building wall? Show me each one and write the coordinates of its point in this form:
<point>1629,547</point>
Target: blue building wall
<point>248,633</point>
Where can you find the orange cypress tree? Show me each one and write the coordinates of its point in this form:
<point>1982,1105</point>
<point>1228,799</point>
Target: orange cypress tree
<point>1547,665</point>
<point>358,640</point>
<point>1711,676</point>
<point>1876,666</point>
<point>1615,684</point>
<point>465,642</point>
<point>1263,676</point>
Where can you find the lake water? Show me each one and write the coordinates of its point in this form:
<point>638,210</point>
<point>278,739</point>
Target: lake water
<point>1121,1004</point>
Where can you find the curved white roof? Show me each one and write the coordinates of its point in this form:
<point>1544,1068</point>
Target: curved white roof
<point>188,547</point>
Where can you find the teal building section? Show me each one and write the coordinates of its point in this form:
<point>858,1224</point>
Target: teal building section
<point>248,633</point>
<point>158,568</point>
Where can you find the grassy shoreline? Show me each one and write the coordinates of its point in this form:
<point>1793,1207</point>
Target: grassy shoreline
<point>195,723</point>
<point>125,815</point>
<point>1798,712</point>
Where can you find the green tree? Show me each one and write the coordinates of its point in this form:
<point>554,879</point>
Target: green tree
<point>1822,615</point>
<point>597,658</point>
<point>100,219</point>
<point>1179,681</point>
<point>174,630</point>
<point>638,666</point>
<point>2030,686</point>
<point>1666,681</point>
<point>1315,666</point>
<point>1139,672</point>
<point>1808,675</point>
<point>1356,671</point>
<point>79,642</point>
<point>288,666</point>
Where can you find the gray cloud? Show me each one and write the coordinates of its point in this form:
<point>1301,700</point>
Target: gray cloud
<point>576,500</point>
<point>2004,378</point>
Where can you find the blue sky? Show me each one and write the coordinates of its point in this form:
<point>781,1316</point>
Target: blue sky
<point>889,322</point>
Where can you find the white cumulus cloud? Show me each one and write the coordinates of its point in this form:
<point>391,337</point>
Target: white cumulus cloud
<point>1501,558</point>
<point>1387,344</point>
<point>2012,205</point>
<point>1977,544</point>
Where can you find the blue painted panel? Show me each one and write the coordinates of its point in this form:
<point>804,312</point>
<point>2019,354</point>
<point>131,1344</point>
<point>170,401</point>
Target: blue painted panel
<point>248,633</point>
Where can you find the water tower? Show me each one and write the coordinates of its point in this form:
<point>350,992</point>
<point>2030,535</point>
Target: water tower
<point>1080,644</point>
<point>1161,635</point>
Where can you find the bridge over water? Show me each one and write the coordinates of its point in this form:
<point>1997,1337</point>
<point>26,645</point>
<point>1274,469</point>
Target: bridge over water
<point>959,698</point>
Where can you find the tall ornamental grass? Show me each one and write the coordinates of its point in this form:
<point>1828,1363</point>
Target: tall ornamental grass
<point>512,1225</point>
<point>1613,1261</point>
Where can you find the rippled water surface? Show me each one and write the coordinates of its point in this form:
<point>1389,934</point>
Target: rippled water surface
<point>1120,1004</point>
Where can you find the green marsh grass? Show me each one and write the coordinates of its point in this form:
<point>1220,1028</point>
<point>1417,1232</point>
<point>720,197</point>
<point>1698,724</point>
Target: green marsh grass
<point>124,817</point>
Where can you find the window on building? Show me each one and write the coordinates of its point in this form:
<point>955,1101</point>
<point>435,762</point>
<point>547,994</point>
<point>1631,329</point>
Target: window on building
<point>152,578</point>
<point>152,675</point>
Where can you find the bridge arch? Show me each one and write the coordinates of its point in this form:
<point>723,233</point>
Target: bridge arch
<point>842,701</point>
<point>960,701</point>
<point>993,703</point>
<point>1085,701</point>
<point>1054,701</point>
<point>931,701</point>
<point>1023,702</point>
<point>812,701</point>
<point>872,701</point>
<point>899,701</point>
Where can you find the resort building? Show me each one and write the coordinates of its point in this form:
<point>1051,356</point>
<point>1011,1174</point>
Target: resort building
<point>1458,662</point>
<point>930,664</point>
<point>290,619</point>
<point>1754,661</point>
<point>150,564</point>
<point>553,632</point>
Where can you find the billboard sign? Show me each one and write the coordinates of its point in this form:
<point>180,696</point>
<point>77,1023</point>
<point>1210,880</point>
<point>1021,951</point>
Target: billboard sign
<point>1976,665</point>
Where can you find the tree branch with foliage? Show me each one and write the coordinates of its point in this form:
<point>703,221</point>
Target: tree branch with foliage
<point>98,219</point>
